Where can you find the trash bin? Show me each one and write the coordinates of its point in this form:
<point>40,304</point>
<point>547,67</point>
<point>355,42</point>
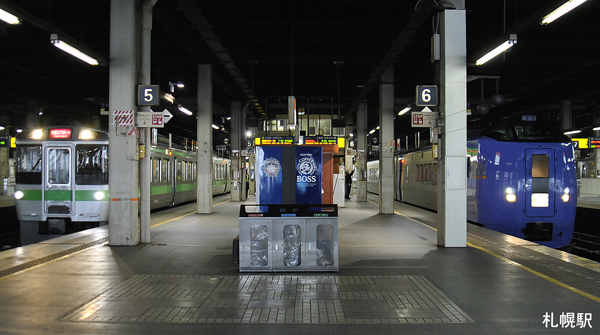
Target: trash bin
<point>288,238</point>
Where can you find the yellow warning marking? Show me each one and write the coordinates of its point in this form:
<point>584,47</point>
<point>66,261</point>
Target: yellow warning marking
<point>181,217</point>
<point>539,274</point>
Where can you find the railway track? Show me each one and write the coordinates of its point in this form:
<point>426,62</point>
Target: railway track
<point>586,245</point>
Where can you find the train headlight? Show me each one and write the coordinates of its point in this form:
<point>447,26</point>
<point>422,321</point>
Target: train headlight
<point>99,195</point>
<point>566,195</point>
<point>19,195</point>
<point>510,195</point>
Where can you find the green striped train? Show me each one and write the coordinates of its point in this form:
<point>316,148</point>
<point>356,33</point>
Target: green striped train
<point>62,179</point>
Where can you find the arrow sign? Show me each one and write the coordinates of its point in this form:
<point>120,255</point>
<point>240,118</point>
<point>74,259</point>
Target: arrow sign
<point>167,116</point>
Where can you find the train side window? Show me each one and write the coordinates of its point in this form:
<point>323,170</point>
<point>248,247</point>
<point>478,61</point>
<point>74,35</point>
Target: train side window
<point>155,170</point>
<point>164,170</point>
<point>178,171</point>
<point>29,165</point>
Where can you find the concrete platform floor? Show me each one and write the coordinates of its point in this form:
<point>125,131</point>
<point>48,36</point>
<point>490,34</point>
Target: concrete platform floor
<point>393,279</point>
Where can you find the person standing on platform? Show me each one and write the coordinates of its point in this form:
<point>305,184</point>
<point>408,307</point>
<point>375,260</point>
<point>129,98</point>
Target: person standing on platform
<point>348,183</point>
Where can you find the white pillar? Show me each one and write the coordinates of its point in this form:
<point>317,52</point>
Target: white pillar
<point>123,163</point>
<point>361,147</point>
<point>452,170</point>
<point>145,163</point>
<point>386,135</point>
<point>237,133</point>
<point>204,129</point>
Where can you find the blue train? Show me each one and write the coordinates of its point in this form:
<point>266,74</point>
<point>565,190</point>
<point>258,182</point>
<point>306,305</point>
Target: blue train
<point>521,180</point>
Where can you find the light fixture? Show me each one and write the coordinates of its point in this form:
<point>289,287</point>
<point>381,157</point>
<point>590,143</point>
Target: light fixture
<point>573,131</point>
<point>72,50</point>
<point>562,10</point>
<point>178,84</point>
<point>8,17</point>
<point>405,110</point>
<point>596,128</point>
<point>372,131</point>
<point>2,128</point>
<point>512,40</point>
<point>185,110</point>
<point>214,126</point>
<point>19,130</point>
<point>169,97</point>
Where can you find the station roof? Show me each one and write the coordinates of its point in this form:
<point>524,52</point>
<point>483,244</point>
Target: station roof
<point>327,52</point>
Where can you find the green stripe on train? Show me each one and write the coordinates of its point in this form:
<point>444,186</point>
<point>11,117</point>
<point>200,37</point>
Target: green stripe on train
<point>89,195</point>
<point>186,187</point>
<point>164,189</point>
<point>58,195</point>
<point>32,195</point>
<point>61,195</point>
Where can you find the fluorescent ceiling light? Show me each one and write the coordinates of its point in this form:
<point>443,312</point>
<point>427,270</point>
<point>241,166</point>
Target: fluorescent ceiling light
<point>72,50</point>
<point>571,132</point>
<point>512,40</point>
<point>596,128</point>
<point>562,10</point>
<point>185,110</point>
<point>406,109</point>
<point>214,126</point>
<point>8,17</point>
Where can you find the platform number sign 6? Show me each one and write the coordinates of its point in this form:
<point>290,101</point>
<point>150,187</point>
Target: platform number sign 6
<point>426,95</point>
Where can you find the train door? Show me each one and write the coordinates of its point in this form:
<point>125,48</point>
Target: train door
<point>174,176</point>
<point>58,192</point>
<point>539,182</point>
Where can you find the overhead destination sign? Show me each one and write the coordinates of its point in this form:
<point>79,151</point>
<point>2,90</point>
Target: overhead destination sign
<point>275,140</point>
<point>321,140</point>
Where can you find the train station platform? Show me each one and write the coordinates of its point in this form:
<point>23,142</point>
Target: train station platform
<point>393,279</point>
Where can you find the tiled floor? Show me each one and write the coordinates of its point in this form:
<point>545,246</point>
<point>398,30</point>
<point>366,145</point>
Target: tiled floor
<point>272,299</point>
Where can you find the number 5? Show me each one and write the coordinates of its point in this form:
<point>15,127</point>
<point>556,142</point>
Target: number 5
<point>148,95</point>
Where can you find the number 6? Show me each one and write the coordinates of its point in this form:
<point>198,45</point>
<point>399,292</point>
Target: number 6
<point>426,95</point>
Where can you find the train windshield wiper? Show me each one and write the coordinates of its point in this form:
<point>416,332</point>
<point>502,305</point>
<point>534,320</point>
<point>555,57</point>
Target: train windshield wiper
<point>36,164</point>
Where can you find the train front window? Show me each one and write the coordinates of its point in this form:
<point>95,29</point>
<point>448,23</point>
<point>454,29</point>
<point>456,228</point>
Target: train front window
<point>59,160</point>
<point>29,165</point>
<point>525,131</point>
<point>92,164</point>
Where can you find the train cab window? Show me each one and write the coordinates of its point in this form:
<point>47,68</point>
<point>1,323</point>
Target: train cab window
<point>92,164</point>
<point>29,165</point>
<point>59,166</point>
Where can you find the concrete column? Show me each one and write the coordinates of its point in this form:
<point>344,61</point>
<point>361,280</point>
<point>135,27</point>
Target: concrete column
<point>204,126</point>
<point>361,147</point>
<point>145,162</point>
<point>452,169</point>
<point>237,134</point>
<point>386,135</point>
<point>123,149</point>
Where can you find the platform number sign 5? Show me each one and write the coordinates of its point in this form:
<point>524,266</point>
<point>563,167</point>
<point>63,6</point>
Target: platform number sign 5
<point>148,95</point>
<point>427,95</point>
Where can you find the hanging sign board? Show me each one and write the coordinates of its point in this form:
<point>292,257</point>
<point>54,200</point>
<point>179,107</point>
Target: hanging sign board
<point>425,118</point>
